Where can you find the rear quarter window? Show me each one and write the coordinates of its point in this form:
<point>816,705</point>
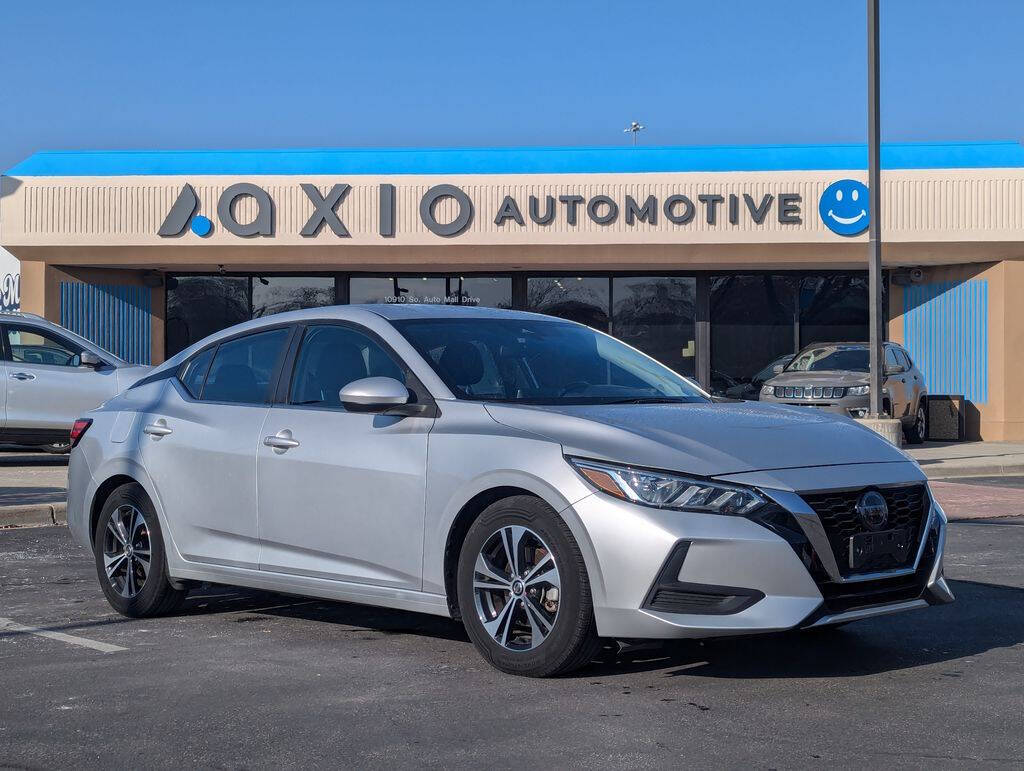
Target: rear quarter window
<point>193,374</point>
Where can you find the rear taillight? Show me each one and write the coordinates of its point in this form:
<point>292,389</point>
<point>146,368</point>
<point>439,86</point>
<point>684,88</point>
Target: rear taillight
<point>78,430</point>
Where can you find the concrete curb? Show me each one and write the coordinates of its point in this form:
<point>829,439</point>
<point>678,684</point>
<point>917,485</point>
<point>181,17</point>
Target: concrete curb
<point>34,515</point>
<point>944,469</point>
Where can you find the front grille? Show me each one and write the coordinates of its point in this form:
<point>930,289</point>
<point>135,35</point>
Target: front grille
<point>809,392</point>
<point>908,509</point>
<point>841,598</point>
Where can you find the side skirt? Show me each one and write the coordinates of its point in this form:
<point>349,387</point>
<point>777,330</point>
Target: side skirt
<point>362,594</point>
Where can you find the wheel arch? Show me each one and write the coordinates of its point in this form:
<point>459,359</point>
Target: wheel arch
<point>475,506</point>
<point>118,472</point>
<point>457,531</point>
<point>103,492</point>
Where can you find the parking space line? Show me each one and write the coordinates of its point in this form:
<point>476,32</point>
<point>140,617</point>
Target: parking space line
<point>7,624</point>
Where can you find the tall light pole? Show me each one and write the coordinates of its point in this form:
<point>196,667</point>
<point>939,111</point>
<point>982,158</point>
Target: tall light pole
<point>634,128</point>
<point>876,317</point>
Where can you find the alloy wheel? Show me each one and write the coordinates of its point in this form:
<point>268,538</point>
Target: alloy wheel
<point>127,551</point>
<point>920,422</point>
<point>515,588</point>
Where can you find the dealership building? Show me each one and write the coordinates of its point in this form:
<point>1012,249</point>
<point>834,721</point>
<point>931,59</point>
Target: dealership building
<point>715,260</point>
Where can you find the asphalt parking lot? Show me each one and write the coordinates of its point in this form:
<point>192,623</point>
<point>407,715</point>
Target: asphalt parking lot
<point>252,679</point>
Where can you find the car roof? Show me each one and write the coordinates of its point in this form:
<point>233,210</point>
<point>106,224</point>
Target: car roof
<point>397,311</point>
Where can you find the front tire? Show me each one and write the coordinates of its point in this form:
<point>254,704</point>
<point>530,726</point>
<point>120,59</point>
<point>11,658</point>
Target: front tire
<point>523,590</point>
<point>130,559</point>
<point>917,432</point>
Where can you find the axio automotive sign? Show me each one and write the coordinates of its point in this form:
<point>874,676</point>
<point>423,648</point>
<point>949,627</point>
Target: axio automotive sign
<point>563,206</point>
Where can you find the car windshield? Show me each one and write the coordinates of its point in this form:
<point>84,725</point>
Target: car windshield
<point>541,362</point>
<point>830,357</point>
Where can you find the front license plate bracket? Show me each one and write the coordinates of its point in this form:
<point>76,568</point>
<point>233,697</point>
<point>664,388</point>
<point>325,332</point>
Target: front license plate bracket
<point>868,547</point>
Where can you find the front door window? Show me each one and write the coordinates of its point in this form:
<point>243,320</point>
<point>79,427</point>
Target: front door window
<point>33,346</point>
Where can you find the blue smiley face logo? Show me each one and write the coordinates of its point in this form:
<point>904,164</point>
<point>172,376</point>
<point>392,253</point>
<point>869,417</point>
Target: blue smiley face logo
<point>844,207</point>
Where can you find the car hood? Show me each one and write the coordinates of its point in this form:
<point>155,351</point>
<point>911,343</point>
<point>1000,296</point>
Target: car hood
<point>823,377</point>
<point>706,439</point>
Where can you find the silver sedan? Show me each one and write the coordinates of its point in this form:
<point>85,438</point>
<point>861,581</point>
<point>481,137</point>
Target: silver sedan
<point>543,482</point>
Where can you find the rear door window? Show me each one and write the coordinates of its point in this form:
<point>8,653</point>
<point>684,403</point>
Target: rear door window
<point>242,370</point>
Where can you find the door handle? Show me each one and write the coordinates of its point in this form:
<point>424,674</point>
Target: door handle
<point>23,376</point>
<point>282,440</point>
<point>156,430</point>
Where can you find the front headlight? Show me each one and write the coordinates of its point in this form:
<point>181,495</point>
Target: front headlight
<point>859,390</point>
<point>668,491</point>
<point>767,390</point>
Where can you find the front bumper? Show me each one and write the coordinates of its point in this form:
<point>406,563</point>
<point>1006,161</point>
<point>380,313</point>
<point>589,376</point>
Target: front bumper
<point>736,576</point>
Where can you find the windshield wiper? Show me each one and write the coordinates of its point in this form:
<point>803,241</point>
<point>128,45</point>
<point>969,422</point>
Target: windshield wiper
<point>650,400</point>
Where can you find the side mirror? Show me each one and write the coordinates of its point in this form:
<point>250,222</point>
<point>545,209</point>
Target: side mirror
<point>777,369</point>
<point>893,369</point>
<point>373,394</point>
<point>89,359</point>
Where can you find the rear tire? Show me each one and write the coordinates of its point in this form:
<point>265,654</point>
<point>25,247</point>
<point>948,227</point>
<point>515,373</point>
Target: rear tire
<point>131,562</point>
<point>537,620</point>
<point>57,448</point>
<point>917,432</point>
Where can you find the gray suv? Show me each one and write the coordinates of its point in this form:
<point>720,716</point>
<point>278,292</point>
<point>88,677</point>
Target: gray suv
<point>50,377</point>
<point>834,377</point>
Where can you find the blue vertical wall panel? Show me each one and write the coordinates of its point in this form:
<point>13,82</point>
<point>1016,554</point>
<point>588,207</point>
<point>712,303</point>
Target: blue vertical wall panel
<point>945,329</point>
<point>116,318</point>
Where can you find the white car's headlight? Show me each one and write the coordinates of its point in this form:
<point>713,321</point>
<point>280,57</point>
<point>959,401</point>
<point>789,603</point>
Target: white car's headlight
<point>858,390</point>
<point>767,390</point>
<point>668,491</point>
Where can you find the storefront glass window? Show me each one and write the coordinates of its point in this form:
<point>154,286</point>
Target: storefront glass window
<point>834,309</point>
<point>276,294</point>
<point>578,298</point>
<point>752,324</point>
<point>198,306</point>
<point>483,291</point>
<point>656,315</point>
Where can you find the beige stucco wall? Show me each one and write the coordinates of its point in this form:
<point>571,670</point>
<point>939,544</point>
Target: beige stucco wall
<point>920,206</point>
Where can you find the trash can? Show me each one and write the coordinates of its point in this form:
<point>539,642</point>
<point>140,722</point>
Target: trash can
<point>946,417</point>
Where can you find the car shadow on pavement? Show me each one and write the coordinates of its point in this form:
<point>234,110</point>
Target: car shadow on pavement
<point>984,617</point>
<point>32,459</point>
<point>247,604</point>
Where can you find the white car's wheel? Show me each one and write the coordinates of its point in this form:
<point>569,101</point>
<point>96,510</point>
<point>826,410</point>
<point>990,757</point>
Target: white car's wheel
<point>130,559</point>
<point>523,590</point>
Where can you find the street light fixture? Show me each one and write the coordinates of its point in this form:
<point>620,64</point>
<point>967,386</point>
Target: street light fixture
<point>634,129</point>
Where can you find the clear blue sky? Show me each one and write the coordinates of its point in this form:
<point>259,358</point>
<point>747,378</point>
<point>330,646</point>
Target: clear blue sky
<point>255,74</point>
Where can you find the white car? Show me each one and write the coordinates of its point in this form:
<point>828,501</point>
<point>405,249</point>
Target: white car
<point>543,482</point>
<point>50,377</point>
